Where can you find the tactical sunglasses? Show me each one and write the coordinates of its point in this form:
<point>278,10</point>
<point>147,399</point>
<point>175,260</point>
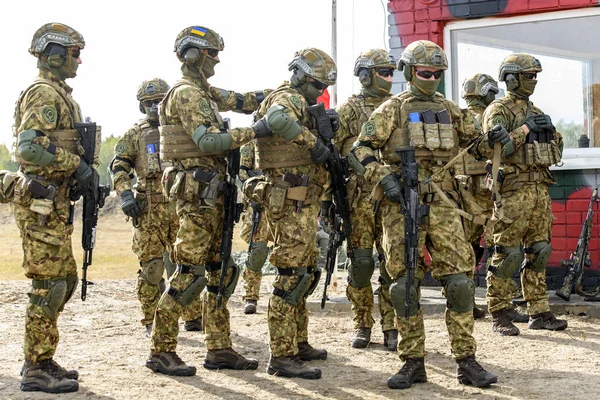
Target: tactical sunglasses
<point>384,72</point>
<point>76,52</point>
<point>318,85</point>
<point>212,52</point>
<point>150,103</point>
<point>428,74</point>
<point>529,75</point>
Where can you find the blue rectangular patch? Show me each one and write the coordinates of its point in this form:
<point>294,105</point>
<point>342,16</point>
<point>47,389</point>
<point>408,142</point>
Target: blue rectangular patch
<point>151,148</point>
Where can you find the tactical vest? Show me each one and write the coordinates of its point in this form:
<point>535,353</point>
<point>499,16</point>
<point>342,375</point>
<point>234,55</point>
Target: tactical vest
<point>277,152</point>
<point>432,141</point>
<point>148,163</point>
<point>469,165</point>
<point>175,143</point>
<point>67,139</point>
<point>542,152</point>
<point>362,111</point>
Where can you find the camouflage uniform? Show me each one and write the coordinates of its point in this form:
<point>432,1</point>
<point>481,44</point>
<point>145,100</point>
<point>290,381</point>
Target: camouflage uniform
<point>531,146</point>
<point>138,151</point>
<point>353,114</point>
<point>398,123</point>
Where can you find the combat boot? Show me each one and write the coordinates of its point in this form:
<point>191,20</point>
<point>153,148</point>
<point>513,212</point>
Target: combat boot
<point>547,320</point>
<point>361,338</point>
<point>194,325</point>
<point>413,371</point>
<point>308,353</point>
<point>69,374</point>
<point>516,316</point>
<point>169,363</point>
<point>502,324</point>
<point>390,339</point>
<point>149,330</point>
<point>228,359</point>
<point>470,372</point>
<point>46,377</point>
<point>478,313</point>
<point>292,367</point>
<point>250,307</point>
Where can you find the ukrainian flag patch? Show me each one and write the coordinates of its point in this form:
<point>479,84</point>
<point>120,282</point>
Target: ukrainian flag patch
<point>198,30</point>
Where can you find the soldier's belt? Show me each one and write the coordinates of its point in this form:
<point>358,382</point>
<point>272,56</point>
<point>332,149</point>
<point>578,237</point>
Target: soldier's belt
<point>299,271</point>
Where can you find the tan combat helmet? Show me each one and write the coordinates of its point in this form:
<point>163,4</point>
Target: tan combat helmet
<point>374,58</point>
<point>58,33</point>
<point>517,63</point>
<point>199,37</point>
<point>316,64</point>
<point>152,89</point>
<point>479,85</point>
<point>422,53</point>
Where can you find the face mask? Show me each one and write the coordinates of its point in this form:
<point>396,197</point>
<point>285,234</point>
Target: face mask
<point>208,67</point>
<point>310,92</point>
<point>152,112</point>
<point>424,88</point>
<point>379,88</point>
<point>528,85</point>
<point>491,96</point>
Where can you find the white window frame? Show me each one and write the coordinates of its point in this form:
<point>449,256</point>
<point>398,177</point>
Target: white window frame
<point>574,158</point>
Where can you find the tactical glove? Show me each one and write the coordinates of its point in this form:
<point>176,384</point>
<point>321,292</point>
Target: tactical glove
<point>320,153</point>
<point>83,175</point>
<point>544,122</point>
<point>498,134</point>
<point>129,205</point>
<point>334,119</point>
<point>391,189</point>
<point>261,129</point>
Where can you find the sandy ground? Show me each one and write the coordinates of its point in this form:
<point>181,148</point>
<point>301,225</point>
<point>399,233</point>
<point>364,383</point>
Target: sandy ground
<point>103,339</point>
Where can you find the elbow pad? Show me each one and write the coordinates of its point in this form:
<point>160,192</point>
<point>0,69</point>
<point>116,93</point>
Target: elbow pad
<point>211,142</point>
<point>32,152</point>
<point>281,123</point>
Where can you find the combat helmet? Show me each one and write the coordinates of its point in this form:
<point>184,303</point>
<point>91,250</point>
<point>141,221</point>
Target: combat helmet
<point>152,89</point>
<point>422,53</point>
<point>517,63</point>
<point>199,37</point>
<point>374,58</point>
<point>479,85</point>
<point>316,64</point>
<point>57,33</point>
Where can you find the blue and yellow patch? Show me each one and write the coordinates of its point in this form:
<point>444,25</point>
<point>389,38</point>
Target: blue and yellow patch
<point>198,30</point>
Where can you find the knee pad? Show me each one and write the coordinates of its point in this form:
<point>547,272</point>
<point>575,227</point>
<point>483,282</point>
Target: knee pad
<point>293,296</point>
<point>542,252</point>
<point>398,296</point>
<point>235,276</point>
<point>512,261</point>
<point>190,293</point>
<point>54,300</point>
<point>257,256</point>
<point>459,291</point>
<point>361,270</point>
<point>152,271</point>
<point>72,281</point>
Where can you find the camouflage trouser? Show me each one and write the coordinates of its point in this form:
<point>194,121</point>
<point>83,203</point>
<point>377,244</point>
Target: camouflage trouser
<point>295,239</point>
<point>198,243</point>
<point>484,200</point>
<point>47,254</point>
<point>155,236</point>
<point>252,278</point>
<point>530,209</point>
<point>450,253</point>
<point>365,229</point>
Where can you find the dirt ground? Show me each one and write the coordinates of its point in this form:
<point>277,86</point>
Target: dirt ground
<point>103,339</point>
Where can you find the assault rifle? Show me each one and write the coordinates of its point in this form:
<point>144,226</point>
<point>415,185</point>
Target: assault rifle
<point>341,228</point>
<point>579,258</point>
<point>93,199</point>
<point>413,215</point>
<point>256,215</point>
<point>231,216</point>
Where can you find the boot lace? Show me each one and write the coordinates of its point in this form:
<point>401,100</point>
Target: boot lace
<point>51,368</point>
<point>471,364</point>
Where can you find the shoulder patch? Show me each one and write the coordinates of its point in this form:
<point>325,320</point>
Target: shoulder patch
<point>204,107</point>
<point>296,101</point>
<point>368,128</point>
<point>121,148</point>
<point>49,114</point>
<point>245,151</point>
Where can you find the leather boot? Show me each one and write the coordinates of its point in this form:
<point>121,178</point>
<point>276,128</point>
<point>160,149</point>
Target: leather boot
<point>502,324</point>
<point>478,313</point>
<point>361,338</point>
<point>149,330</point>
<point>548,321</point>
<point>413,371</point>
<point>228,359</point>
<point>470,372</point>
<point>169,363</point>
<point>194,325</point>
<point>308,353</point>
<point>46,377</point>
<point>390,339</point>
<point>292,367</point>
<point>69,374</point>
<point>250,307</point>
<point>516,316</point>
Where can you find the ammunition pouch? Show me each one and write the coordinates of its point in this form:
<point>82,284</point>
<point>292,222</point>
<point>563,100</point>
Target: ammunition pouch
<point>152,271</point>
<point>361,270</point>
<point>301,289</point>
<point>196,186</point>
<point>511,262</point>
<point>536,153</point>
<point>193,290</point>
<point>398,296</point>
<point>54,300</point>
<point>459,291</point>
<point>542,252</point>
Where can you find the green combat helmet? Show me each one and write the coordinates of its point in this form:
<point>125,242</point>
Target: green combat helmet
<point>198,37</point>
<point>422,53</point>
<point>480,87</point>
<point>149,95</point>
<point>365,69</point>
<point>55,32</point>
<point>57,48</point>
<point>316,64</point>
<point>511,72</point>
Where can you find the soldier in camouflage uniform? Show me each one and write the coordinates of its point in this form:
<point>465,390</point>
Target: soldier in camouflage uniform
<point>258,251</point>
<point>292,209</point>
<point>374,69</point>
<point>529,146</point>
<point>400,122</point>
<point>46,146</point>
<point>194,137</point>
<point>155,220</point>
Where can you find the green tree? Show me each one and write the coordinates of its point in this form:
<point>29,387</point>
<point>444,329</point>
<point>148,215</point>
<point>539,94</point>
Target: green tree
<point>107,152</point>
<point>570,132</point>
<point>6,161</point>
